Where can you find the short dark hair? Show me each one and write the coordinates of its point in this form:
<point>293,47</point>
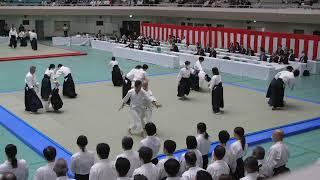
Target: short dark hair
<point>201,58</point>
<point>258,152</point>
<point>191,142</point>
<point>145,154</point>
<point>113,58</point>
<point>151,129</point>
<point>137,83</point>
<point>219,152</point>
<point>145,67</point>
<point>127,143</point>
<point>138,67</point>
<point>122,166</point>
<point>215,71</point>
<point>296,73</point>
<point>140,177</point>
<point>59,65</point>
<point>82,142</point>
<point>51,66</point>
<point>290,68</point>
<point>103,150</point>
<point>49,153</point>
<point>187,63</point>
<point>251,164</point>
<point>172,167</point>
<point>170,146</point>
<point>224,136</point>
<point>190,158</point>
<point>203,175</point>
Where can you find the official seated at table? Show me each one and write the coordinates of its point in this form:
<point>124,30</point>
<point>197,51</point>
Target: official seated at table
<point>149,40</point>
<point>213,53</point>
<point>284,59</point>
<point>274,58</point>
<point>156,43</point>
<point>140,46</point>
<point>279,51</point>
<point>303,58</point>
<point>99,35</point>
<point>263,56</point>
<point>242,50</point>
<point>250,52</point>
<point>174,48</point>
<point>207,49</point>
<point>131,45</point>
<point>237,47</point>
<point>292,57</point>
<point>200,52</point>
<point>124,39</point>
<point>231,48</point>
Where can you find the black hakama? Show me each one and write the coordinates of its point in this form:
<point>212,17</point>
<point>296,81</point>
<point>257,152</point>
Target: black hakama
<point>117,79</point>
<point>184,87</point>
<point>126,86</point>
<point>56,100</point>
<point>45,87</point>
<point>81,177</point>
<point>34,44</point>
<point>31,100</point>
<point>13,41</point>
<point>239,173</point>
<point>69,87</point>
<point>194,78</point>
<point>23,42</point>
<point>217,98</point>
<point>276,93</point>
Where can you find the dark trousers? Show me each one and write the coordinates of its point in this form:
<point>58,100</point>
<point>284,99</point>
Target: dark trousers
<point>65,33</point>
<point>205,159</point>
<point>280,170</point>
<point>81,177</point>
<point>239,173</point>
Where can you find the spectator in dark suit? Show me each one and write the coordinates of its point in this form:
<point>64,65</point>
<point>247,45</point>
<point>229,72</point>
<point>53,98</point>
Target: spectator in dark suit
<point>304,57</point>
<point>291,56</point>
<point>174,48</point>
<point>213,53</point>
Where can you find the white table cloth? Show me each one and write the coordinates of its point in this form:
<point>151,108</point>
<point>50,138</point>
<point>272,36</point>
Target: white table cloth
<point>4,39</point>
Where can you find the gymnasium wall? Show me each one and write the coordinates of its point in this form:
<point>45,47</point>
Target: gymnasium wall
<point>221,38</point>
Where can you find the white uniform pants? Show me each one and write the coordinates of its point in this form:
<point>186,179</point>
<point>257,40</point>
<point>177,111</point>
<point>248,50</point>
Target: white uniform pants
<point>137,114</point>
<point>202,76</point>
<point>147,115</point>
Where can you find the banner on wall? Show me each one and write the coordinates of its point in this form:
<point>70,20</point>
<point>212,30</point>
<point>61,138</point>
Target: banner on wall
<point>220,37</point>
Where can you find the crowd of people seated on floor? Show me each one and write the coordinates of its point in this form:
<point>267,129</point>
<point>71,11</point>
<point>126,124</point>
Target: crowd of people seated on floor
<point>230,159</point>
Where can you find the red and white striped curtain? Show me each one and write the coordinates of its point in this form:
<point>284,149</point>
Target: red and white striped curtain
<point>221,38</point>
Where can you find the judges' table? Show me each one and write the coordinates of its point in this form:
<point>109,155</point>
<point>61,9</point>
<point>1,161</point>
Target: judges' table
<point>256,70</point>
<point>81,41</point>
<point>165,60</point>
<point>68,41</point>
<point>4,39</point>
<point>105,45</point>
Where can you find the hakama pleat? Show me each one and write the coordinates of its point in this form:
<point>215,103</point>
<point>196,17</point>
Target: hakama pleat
<point>56,100</point>
<point>194,78</point>
<point>117,79</point>
<point>184,87</point>
<point>23,42</point>
<point>276,93</point>
<point>34,44</point>
<point>13,41</point>
<point>45,87</point>
<point>126,86</point>
<point>69,87</point>
<point>217,98</point>
<point>31,100</point>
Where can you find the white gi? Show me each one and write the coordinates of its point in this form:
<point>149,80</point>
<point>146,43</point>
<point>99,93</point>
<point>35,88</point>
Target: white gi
<point>21,172</point>
<point>33,35</point>
<point>32,82</point>
<point>63,71</point>
<point>277,156</point>
<point>139,74</point>
<point>153,142</point>
<point>134,159</point>
<point>191,173</point>
<point>250,176</point>
<point>229,159</point>
<point>45,172</point>
<point>287,77</point>
<point>113,63</point>
<point>148,107</point>
<point>198,67</point>
<point>217,168</point>
<point>102,170</point>
<point>160,165</point>
<point>149,170</point>
<point>203,144</point>
<point>137,108</point>
<point>81,162</point>
<point>199,162</point>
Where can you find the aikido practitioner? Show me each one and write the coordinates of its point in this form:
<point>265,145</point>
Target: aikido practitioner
<point>137,96</point>
<point>116,73</point>
<point>13,37</point>
<point>31,99</point>
<point>23,39</point>
<point>198,76</point>
<point>55,99</point>
<point>147,105</point>
<point>184,81</point>
<point>130,45</point>
<point>46,85</point>
<point>215,85</point>
<point>140,74</point>
<point>34,41</point>
<point>278,84</point>
<point>128,81</point>
<point>68,83</point>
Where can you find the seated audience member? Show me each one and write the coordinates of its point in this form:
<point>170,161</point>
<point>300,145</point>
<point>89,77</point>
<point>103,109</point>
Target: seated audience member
<point>198,45</point>
<point>103,169</point>
<point>148,169</point>
<point>17,166</point>
<point>140,177</point>
<point>61,169</point>
<point>172,168</point>
<point>251,167</point>
<point>203,175</point>
<point>140,46</point>
<point>46,172</point>
<point>283,59</point>
<point>279,51</point>
<point>174,48</point>
<point>192,145</point>
<point>213,53</point>
<point>8,176</point>
<point>263,56</point>
<point>122,166</point>
<point>218,167</point>
<point>286,51</point>
<point>292,57</point>
<point>150,40</point>
<point>131,155</point>
<point>82,161</point>
<point>303,57</point>
<point>250,52</point>
<point>274,58</point>
<point>130,45</point>
<point>151,141</point>
<point>169,147</point>
<point>231,48</point>
<point>207,49</point>
<point>277,157</point>
<point>237,47</point>
<point>242,50</point>
<point>191,162</point>
<point>200,52</point>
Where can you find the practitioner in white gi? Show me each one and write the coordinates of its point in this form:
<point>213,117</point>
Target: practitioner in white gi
<point>199,74</point>
<point>13,37</point>
<point>31,99</point>
<point>137,96</point>
<point>147,104</point>
<point>68,83</point>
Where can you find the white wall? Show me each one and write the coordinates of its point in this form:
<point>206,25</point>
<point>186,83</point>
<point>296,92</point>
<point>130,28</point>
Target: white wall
<point>113,23</point>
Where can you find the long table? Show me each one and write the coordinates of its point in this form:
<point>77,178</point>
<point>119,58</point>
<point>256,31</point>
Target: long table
<point>68,41</point>
<point>105,45</point>
<point>4,39</point>
<point>165,60</point>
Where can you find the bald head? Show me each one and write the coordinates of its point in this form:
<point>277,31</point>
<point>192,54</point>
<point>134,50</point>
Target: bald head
<point>61,167</point>
<point>32,69</point>
<point>278,135</point>
<point>8,176</point>
<point>145,84</point>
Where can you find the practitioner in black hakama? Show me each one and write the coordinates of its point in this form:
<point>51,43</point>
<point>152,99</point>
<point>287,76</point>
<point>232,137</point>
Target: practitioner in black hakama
<point>55,100</point>
<point>13,38</point>
<point>216,88</point>
<point>31,99</point>
<point>184,81</point>
<point>33,40</point>
<point>23,39</point>
<point>46,85</point>
<point>277,87</point>
<point>116,73</point>
<point>68,83</point>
